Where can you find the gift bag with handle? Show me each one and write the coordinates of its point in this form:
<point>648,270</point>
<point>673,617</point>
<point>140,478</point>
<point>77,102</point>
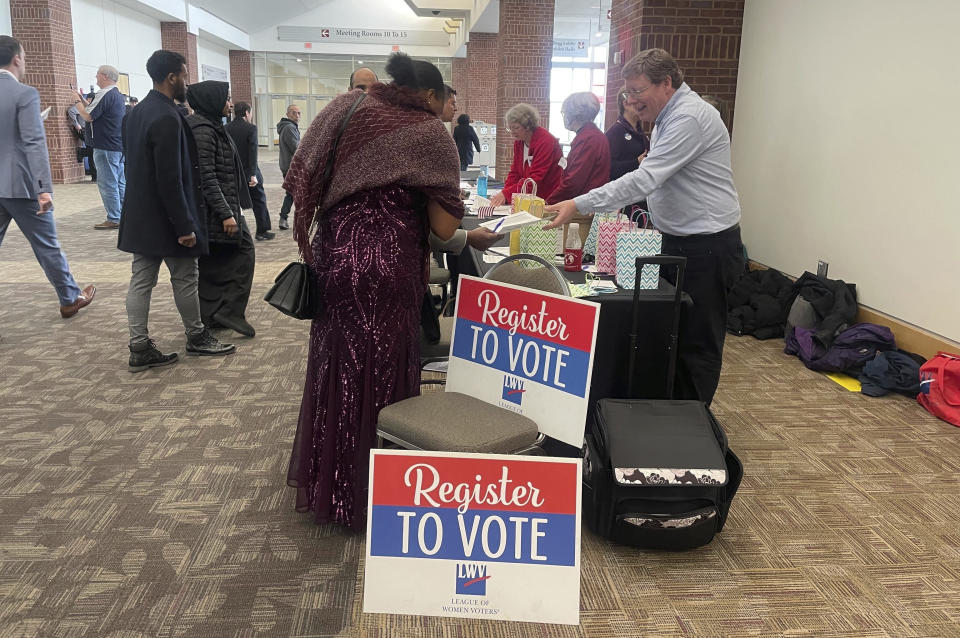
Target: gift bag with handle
<point>524,201</point>
<point>607,242</point>
<point>638,242</point>
<point>535,240</point>
<point>590,244</point>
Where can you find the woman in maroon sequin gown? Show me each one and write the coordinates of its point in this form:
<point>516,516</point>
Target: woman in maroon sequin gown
<point>396,177</point>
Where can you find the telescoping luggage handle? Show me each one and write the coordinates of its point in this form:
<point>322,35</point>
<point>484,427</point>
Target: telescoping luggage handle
<point>658,260</point>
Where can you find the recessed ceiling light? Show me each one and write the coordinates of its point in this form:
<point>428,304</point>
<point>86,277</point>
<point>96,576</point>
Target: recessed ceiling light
<point>299,59</point>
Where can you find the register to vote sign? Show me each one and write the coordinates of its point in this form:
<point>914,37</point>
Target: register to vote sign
<point>526,351</point>
<point>473,536</point>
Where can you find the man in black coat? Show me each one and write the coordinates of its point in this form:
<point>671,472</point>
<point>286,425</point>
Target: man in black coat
<point>244,134</point>
<point>161,221</point>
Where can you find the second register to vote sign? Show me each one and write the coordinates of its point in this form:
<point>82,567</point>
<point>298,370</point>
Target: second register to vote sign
<point>527,351</point>
<point>473,536</point>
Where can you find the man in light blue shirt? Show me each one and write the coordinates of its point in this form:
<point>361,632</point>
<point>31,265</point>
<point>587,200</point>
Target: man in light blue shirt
<point>688,184</point>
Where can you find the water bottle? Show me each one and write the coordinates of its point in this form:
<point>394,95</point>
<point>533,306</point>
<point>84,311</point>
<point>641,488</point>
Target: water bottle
<point>573,249</point>
<point>482,182</point>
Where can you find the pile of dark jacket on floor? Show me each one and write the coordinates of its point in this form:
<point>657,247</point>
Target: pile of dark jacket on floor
<point>758,304</point>
<point>816,316</point>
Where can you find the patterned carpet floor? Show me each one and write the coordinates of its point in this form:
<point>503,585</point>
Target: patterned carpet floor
<point>155,504</point>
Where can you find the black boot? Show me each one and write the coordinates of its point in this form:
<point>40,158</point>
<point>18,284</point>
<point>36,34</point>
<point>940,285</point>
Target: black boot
<point>284,224</point>
<point>207,345</point>
<point>145,355</point>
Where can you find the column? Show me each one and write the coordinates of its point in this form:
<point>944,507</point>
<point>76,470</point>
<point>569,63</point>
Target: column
<point>45,30</point>
<point>525,48</point>
<point>241,76</point>
<point>459,82</point>
<point>175,37</point>
<point>482,65</point>
<point>703,36</point>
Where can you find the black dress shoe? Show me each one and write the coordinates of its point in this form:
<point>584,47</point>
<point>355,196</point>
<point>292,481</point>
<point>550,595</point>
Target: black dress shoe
<point>235,324</point>
<point>284,224</point>
<point>265,236</point>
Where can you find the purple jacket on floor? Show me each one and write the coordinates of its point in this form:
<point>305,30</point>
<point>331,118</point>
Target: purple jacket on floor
<point>850,350</point>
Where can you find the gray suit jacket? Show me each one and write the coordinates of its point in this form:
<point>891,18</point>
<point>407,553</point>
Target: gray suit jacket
<point>24,164</point>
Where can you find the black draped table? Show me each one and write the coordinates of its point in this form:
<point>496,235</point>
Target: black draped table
<point>611,359</point>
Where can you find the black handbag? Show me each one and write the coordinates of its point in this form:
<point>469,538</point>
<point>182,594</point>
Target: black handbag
<point>293,292</point>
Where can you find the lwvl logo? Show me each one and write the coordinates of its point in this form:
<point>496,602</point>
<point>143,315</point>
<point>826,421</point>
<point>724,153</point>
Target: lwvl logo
<point>472,579</point>
<point>512,389</point>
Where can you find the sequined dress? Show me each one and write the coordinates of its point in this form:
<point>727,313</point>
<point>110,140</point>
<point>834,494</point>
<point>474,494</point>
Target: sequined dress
<point>371,251</point>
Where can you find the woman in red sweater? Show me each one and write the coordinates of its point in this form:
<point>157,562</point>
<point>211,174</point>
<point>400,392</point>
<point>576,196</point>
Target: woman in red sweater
<point>536,154</point>
<point>588,162</point>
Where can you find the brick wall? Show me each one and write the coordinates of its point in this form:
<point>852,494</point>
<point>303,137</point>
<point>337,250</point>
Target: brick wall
<point>703,35</point>
<point>459,82</point>
<point>45,29</point>
<point>482,67</point>
<point>175,37</point>
<point>524,50</point>
<point>241,76</point>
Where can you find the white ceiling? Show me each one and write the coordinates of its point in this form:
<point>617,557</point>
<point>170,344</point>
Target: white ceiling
<point>253,15</point>
<point>588,12</point>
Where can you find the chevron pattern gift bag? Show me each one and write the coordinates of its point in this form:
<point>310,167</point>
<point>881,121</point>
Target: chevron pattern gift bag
<point>638,243</point>
<point>536,241</point>
<point>590,245</point>
<point>607,242</point>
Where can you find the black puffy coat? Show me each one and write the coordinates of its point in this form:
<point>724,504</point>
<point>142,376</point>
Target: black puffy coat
<point>222,180</point>
<point>757,304</point>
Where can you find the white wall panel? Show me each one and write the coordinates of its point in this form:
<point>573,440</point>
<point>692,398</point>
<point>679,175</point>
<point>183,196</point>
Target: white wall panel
<point>845,148</point>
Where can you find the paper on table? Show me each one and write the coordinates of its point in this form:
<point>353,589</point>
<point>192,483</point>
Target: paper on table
<point>500,211</point>
<point>512,222</point>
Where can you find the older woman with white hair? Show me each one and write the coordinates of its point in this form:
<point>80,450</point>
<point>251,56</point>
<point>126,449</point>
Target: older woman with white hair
<point>588,162</point>
<point>536,155</point>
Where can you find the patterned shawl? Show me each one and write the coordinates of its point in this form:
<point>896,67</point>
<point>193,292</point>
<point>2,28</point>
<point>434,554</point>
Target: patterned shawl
<point>393,138</point>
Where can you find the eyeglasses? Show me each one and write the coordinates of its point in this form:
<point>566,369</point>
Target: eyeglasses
<point>629,93</point>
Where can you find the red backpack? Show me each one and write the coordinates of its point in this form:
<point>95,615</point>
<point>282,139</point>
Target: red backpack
<point>940,387</point>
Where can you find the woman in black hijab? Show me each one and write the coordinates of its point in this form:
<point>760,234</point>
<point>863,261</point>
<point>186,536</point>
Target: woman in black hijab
<point>226,274</point>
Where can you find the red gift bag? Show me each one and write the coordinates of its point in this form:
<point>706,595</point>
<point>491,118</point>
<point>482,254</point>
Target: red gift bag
<point>940,387</point>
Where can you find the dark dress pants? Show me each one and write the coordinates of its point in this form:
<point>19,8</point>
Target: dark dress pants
<point>259,199</point>
<point>714,263</point>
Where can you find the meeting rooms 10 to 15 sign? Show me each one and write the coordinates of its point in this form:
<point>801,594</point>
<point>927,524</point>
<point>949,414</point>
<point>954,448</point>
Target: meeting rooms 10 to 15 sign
<point>473,536</point>
<point>527,351</point>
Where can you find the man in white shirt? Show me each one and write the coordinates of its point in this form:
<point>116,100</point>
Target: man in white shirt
<point>687,181</point>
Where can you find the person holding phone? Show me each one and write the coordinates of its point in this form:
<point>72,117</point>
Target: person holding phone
<point>26,188</point>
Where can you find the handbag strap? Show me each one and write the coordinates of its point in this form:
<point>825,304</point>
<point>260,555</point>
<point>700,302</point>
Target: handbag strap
<point>328,169</point>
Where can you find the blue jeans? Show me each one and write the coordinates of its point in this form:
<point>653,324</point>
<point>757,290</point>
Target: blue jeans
<point>41,232</point>
<point>110,181</point>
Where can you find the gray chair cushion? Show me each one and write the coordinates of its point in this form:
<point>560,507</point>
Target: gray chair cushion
<point>441,348</point>
<point>439,276</point>
<point>454,422</point>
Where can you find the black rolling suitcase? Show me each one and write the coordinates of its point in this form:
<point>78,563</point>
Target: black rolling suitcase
<point>657,473</point>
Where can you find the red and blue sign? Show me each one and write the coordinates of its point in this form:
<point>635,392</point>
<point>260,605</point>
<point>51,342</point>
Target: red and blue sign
<point>473,535</point>
<point>474,510</point>
<point>525,350</point>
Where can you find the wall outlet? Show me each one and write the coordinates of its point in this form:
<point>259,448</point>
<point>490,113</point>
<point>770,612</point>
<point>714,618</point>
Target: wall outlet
<point>822,268</point>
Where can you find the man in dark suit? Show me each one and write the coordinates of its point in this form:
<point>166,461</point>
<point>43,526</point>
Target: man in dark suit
<point>161,221</point>
<point>244,134</point>
<point>26,191</point>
